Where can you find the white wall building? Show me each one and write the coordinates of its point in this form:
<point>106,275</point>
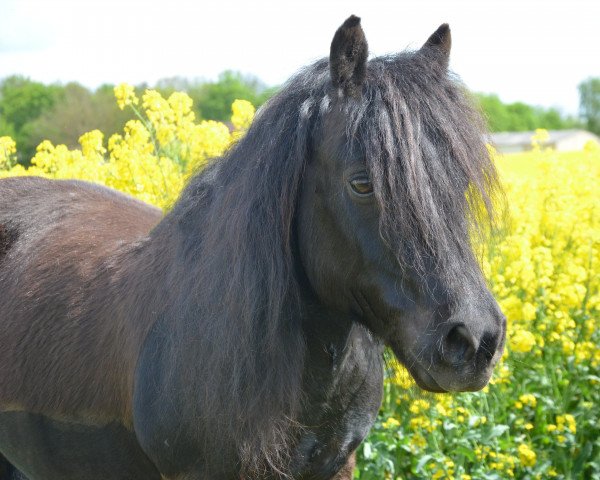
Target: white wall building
<point>560,140</point>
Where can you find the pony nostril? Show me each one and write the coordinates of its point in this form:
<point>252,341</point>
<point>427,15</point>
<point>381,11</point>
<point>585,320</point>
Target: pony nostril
<point>489,344</point>
<point>459,345</point>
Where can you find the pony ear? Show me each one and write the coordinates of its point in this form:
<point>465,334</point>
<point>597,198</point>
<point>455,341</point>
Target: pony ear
<point>438,45</point>
<point>348,58</point>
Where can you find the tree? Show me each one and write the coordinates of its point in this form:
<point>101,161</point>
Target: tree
<point>6,128</point>
<point>494,111</point>
<point>519,116</point>
<point>167,86</point>
<point>22,101</point>
<point>213,99</point>
<point>522,117</point>
<point>79,112</point>
<point>589,103</point>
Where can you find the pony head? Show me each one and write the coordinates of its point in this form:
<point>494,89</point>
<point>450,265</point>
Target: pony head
<point>397,187</point>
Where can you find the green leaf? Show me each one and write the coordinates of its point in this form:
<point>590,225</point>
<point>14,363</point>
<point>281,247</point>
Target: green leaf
<point>367,450</point>
<point>496,431</point>
<point>424,459</point>
<point>581,458</point>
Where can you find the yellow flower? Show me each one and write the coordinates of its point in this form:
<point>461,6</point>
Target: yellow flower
<point>391,422</point>
<point>528,399</point>
<point>419,406</point>
<point>522,341</point>
<point>92,144</point>
<point>156,106</point>
<point>242,114</point>
<point>210,139</point>
<point>442,410</point>
<point>528,311</point>
<point>8,148</point>
<point>566,422</point>
<point>402,378</point>
<point>418,441</point>
<point>181,105</point>
<point>125,95</point>
<point>568,346</point>
<point>527,456</point>
<point>165,134</point>
<point>541,136</point>
<point>542,269</point>
<point>482,420</point>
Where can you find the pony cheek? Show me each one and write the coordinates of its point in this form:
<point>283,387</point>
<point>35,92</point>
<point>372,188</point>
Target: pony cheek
<point>328,259</point>
<point>324,276</point>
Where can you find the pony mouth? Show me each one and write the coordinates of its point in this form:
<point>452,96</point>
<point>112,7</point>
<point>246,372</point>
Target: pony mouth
<point>466,381</point>
<point>443,380</point>
<point>425,380</point>
<point>421,375</point>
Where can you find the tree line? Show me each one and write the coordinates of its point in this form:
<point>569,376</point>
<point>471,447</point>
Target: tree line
<point>31,111</point>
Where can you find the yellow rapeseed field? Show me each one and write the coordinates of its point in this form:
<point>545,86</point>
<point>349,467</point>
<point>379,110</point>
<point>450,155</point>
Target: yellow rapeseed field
<point>153,156</point>
<point>540,416</point>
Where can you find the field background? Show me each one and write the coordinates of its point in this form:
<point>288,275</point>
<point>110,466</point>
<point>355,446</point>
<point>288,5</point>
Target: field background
<point>540,416</point>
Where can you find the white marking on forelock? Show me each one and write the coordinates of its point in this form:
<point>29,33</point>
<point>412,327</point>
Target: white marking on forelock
<point>305,108</point>
<point>324,107</point>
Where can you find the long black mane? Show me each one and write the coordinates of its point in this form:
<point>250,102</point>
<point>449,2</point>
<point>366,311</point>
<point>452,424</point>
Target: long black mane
<point>424,148</point>
<point>248,317</point>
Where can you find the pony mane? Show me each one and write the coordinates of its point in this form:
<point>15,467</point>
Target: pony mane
<point>424,148</point>
<point>237,220</point>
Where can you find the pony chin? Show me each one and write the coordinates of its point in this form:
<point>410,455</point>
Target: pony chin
<point>439,379</point>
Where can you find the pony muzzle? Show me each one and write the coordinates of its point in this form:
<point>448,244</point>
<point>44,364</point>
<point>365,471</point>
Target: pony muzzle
<point>460,359</point>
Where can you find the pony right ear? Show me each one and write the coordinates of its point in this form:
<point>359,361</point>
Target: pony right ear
<point>438,45</point>
<point>348,58</point>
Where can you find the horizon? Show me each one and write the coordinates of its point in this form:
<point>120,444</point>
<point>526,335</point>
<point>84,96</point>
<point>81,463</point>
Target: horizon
<point>539,60</point>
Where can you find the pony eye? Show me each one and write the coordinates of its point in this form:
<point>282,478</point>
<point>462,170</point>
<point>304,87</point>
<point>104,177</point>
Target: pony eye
<point>361,186</point>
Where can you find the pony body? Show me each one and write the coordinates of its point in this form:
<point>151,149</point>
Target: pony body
<point>77,418</point>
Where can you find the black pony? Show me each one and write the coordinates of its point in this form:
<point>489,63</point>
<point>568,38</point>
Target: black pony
<point>241,335</point>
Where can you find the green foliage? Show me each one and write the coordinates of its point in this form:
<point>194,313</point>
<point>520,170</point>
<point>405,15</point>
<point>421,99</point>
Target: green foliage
<point>6,128</point>
<point>214,99</point>
<point>479,433</point>
<point>519,117</point>
<point>79,111</point>
<point>495,112</point>
<point>589,103</point>
<point>31,112</point>
<point>22,101</point>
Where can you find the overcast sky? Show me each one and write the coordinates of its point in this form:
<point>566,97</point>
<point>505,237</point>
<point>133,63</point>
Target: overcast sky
<point>530,50</point>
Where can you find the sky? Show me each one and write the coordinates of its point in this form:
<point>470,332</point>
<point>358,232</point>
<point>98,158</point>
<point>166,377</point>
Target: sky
<point>528,50</point>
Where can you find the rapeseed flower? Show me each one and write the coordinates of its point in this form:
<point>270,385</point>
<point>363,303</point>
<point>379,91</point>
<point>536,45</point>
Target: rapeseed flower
<point>125,95</point>
<point>527,456</point>
<point>8,148</point>
<point>522,341</point>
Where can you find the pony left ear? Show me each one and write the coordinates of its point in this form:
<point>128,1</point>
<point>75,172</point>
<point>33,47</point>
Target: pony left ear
<point>348,58</point>
<point>439,44</point>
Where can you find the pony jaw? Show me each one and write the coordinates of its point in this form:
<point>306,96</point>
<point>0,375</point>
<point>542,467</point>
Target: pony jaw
<point>430,374</point>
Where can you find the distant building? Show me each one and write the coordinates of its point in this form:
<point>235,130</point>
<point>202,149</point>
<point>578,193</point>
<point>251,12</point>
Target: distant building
<point>560,140</point>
